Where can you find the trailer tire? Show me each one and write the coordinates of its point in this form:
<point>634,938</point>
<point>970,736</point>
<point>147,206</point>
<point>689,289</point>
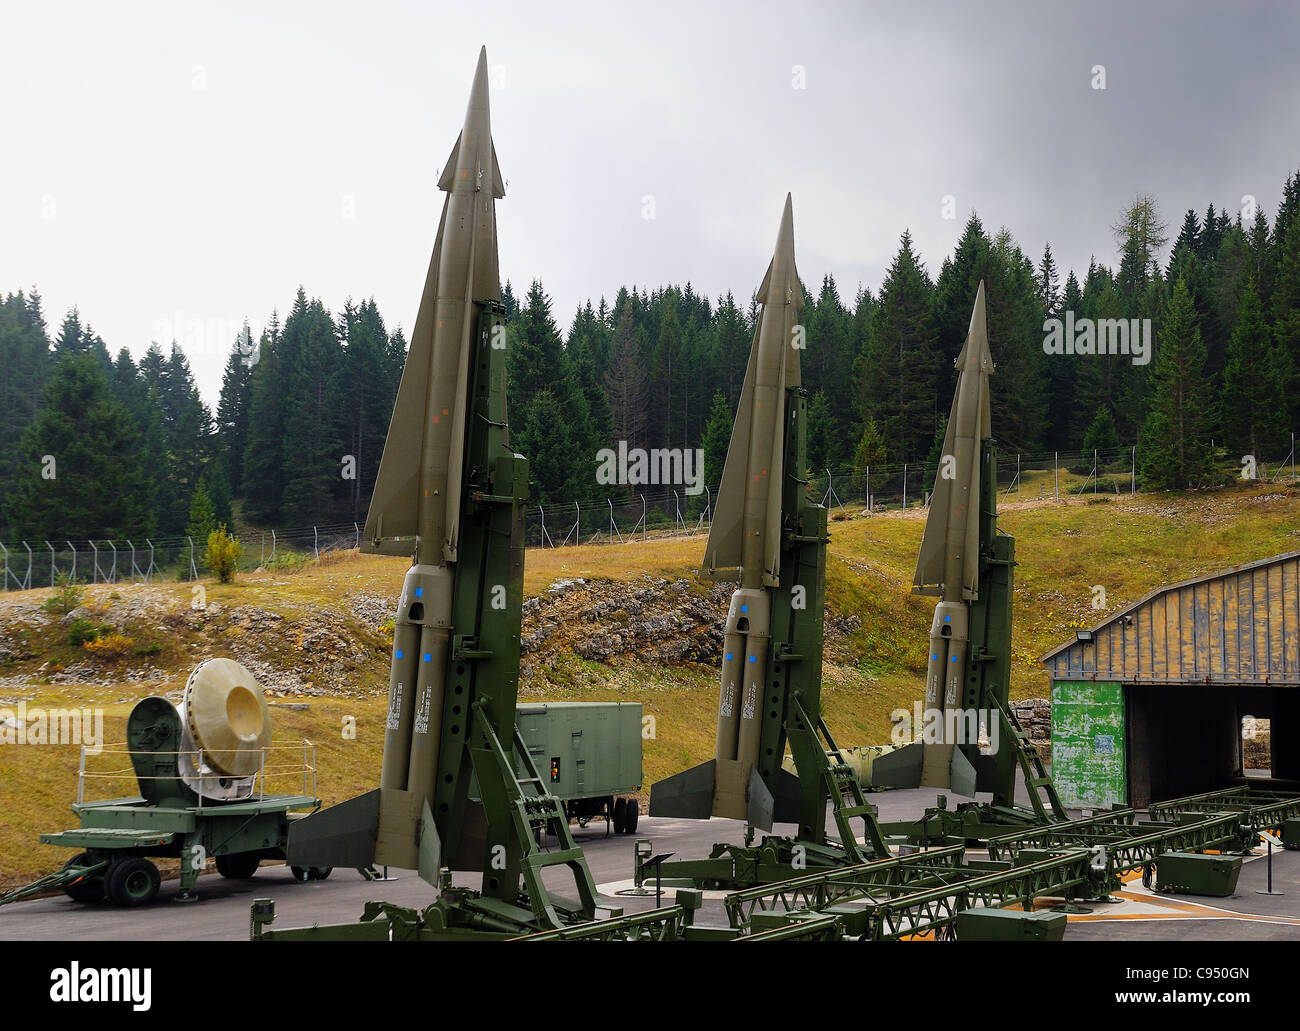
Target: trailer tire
<point>631,815</point>
<point>132,881</point>
<point>620,815</point>
<point>88,889</point>
<point>238,866</point>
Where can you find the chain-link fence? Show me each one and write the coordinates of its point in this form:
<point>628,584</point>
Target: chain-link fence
<point>621,516</point>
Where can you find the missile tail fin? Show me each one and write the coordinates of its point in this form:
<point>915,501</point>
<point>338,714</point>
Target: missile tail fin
<point>726,534</point>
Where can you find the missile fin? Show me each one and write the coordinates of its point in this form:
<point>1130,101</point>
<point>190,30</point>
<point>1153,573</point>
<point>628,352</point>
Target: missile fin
<point>687,795</point>
<point>430,847</point>
<point>723,550</point>
<point>449,169</point>
<point>498,183</point>
<point>759,801</point>
<point>934,541</point>
<point>394,505</point>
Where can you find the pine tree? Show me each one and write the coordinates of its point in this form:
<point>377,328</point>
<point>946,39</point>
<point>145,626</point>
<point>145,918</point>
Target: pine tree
<point>902,358</point>
<point>820,439</point>
<point>1101,437</point>
<point>232,408</point>
<point>869,455</point>
<point>717,438</point>
<point>26,363</point>
<point>625,385</point>
<point>79,475</point>
<point>552,461</point>
<point>312,452</point>
<point>1049,294</point>
<point>262,472</point>
<point>202,519</point>
<point>1174,451</point>
<point>1253,398</point>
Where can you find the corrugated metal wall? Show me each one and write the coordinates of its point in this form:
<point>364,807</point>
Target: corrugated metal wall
<point>1237,627</point>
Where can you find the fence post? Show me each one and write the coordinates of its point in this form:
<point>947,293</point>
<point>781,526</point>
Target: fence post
<point>904,485</point>
<point>1019,485</point>
<point>94,563</point>
<point>1133,472</point>
<point>643,517</point>
<point>112,577</point>
<point>194,571</point>
<point>74,560</point>
<point>868,488</point>
<point>1056,475</point>
<point>149,572</point>
<point>51,547</point>
<point>315,543</point>
<point>577,523</point>
<point>1096,472</point>
<point>5,585</point>
<point>272,555</point>
<point>358,543</point>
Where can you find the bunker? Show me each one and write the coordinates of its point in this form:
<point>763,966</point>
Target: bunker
<point>1149,704</point>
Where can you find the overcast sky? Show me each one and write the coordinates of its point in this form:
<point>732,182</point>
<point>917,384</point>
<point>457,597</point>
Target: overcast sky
<point>174,168</point>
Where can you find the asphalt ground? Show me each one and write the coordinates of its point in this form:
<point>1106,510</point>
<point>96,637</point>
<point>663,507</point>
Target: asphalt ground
<point>222,910</point>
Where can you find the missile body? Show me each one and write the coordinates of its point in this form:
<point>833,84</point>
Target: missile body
<point>948,566</point>
<point>419,491</point>
<point>745,537</point>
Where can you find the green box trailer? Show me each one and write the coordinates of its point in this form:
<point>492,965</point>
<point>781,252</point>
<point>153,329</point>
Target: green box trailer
<point>589,755</point>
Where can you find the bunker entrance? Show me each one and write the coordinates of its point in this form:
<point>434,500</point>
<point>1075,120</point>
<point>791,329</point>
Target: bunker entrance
<point>1186,740</point>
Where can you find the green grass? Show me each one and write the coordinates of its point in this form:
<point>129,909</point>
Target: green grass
<point>1127,545</point>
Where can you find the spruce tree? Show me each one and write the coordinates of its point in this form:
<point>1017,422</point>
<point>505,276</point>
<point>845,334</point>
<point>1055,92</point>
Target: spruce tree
<point>202,519</point>
<point>1253,399</point>
<point>900,367</point>
<point>717,438</point>
<point>79,473</point>
<point>1174,451</point>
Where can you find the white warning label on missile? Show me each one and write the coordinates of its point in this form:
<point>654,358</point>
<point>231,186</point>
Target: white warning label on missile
<point>751,702</point>
<point>394,716</point>
<point>422,713</point>
<point>728,703</point>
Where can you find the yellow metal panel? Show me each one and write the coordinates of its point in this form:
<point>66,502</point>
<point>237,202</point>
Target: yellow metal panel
<point>1289,617</point>
<point>1214,610</point>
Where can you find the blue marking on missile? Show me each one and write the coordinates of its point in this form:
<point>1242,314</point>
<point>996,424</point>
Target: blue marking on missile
<point>946,619</point>
<point>744,608</point>
<point>399,653</point>
<point>728,656</point>
<point>427,657</point>
<point>954,658</point>
<point>419,592</point>
<point>932,657</point>
<point>751,658</point>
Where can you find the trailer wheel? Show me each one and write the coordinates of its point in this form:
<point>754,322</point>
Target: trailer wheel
<point>620,815</point>
<point>630,818</point>
<point>132,881</point>
<point>88,889</point>
<point>238,866</point>
<point>320,873</point>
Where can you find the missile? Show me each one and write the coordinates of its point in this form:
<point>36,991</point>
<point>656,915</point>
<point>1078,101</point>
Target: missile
<point>446,460</point>
<point>744,545</point>
<point>948,564</point>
